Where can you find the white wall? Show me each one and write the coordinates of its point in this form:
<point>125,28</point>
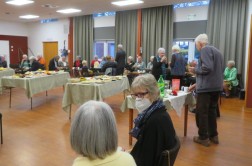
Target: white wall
<point>190,14</point>
<point>13,28</point>
<point>108,21</point>
<point>39,33</point>
<point>247,41</point>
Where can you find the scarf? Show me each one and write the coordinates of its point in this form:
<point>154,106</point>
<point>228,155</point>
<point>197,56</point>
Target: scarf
<point>143,117</point>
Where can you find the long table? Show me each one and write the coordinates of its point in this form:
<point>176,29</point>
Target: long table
<point>35,85</point>
<point>3,73</point>
<point>171,102</point>
<point>79,93</point>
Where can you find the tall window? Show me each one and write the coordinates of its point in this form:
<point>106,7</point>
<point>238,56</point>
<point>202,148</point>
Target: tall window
<point>104,47</point>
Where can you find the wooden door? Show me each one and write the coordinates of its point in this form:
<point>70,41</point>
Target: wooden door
<point>50,49</point>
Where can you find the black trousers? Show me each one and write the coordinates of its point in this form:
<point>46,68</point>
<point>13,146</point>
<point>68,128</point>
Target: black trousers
<point>206,114</point>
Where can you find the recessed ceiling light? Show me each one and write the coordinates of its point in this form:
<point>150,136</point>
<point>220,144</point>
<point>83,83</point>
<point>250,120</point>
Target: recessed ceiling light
<point>67,11</point>
<point>19,2</point>
<point>29,16</point>
<point>127,2</point>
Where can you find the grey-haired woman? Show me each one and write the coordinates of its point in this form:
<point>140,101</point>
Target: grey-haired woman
<point>94,136</point>
<point>153,129</point>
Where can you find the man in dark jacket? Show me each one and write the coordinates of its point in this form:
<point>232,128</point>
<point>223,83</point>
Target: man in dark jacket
<point>3,62</point>
<point>110,65</point>
<point>53,64</point>
<point>209,80</point>
<point>35,65</point>
<point>120,59</point>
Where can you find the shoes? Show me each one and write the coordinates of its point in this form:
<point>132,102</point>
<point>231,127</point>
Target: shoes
<point>204,142</point>
<point>214,139</point>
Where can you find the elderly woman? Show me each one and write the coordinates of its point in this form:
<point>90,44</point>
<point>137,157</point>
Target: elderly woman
<point>130,63</point>
<point>139,65</point>
<point>230,79</point>
<point>160,64</point>
<point>150,64</point>
<point>25,63</point>
<point>178,64</point>
<point>94,136</point>
<point>77,62</point>
<point>153,129</point>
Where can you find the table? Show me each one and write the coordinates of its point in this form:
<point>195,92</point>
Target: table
<point>35,85</point>
<point>171,102</point>
<point>6,72</point>
<point>78,93</point>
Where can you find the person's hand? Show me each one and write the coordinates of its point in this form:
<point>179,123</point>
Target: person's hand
<point>164,59</point>
<point>191,87</point>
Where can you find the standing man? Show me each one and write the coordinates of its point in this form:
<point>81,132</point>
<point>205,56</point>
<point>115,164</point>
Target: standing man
<point>209,79</point>
<point>120,59</point>
<point>160,64</point>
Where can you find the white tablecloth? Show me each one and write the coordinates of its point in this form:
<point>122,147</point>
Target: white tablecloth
<point>7,72</point>
<point>171,102</point>
<point>79,93</point>
<point>37,84</point>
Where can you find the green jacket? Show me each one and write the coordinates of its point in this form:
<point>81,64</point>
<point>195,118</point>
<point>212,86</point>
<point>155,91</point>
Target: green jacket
<point>230,75</point>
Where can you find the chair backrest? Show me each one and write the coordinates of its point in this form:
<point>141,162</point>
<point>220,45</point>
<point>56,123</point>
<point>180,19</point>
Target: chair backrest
<point>110,71</point>
<point>168,157</point>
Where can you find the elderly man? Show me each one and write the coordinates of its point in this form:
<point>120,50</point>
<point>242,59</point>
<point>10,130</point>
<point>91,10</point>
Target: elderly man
<point>209,79</point>
<point>139,65</point>
<point>120,59</point>
<point>41,59</point>
<point>160,64</point>
<point>3,62</point>
<point>25,63</point>
<point>35,65</point>
<point>53,64</point>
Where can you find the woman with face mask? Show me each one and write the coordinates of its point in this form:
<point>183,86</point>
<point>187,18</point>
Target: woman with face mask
<point>153,129</point>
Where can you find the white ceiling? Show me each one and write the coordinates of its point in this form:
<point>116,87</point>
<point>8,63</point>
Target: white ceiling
<point>12,13</point>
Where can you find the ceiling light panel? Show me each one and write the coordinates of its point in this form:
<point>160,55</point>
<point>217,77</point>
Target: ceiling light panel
<point>28,16</point>
<point>127,2</point>
<point>19,2</point>
<point>68,11</point>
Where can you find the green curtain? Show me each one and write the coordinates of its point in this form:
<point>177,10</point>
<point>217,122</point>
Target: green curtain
<point>226,29</point>
<point>157,30</point>
<point>126,31</point>
<point>84,37</point>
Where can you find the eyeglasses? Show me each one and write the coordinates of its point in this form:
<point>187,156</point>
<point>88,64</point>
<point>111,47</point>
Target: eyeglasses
<point>139,95</point>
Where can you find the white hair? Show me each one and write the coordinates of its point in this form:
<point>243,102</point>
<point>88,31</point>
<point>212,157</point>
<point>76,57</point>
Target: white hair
<point>24,55</point>
<point>120,46</point>
<point>231,62</point>
<point>176,48</point>
<point>161,50</point>
<point>202,38</point>
<point>32,58</point>
<point>130,58</point>
<point>152,57</point>
<point>93,131</point>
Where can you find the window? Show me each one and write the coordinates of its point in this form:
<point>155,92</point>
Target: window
<point>191,4</point>
<point>104,14</point>
<point>104,47</point>
<point>188,49</point>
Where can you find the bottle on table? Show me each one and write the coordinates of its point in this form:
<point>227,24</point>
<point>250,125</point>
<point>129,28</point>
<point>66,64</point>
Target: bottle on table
<point>161,85</point>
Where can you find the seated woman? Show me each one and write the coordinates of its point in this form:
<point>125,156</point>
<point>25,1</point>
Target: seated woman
<point>94,136</point>
<point>153,129</point>
<point>150,64</point>
<point>84,70</point>
<point>139,65</point>
<point>230,79</point>
<point>129,65</point>
<point>64,64</point>
<point>35,65</point>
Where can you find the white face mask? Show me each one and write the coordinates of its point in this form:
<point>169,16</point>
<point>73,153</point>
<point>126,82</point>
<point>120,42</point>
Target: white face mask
<point>142,104</point>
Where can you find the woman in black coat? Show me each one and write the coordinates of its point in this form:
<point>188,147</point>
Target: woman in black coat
<point>153,129</point>
<point>160,64</point>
